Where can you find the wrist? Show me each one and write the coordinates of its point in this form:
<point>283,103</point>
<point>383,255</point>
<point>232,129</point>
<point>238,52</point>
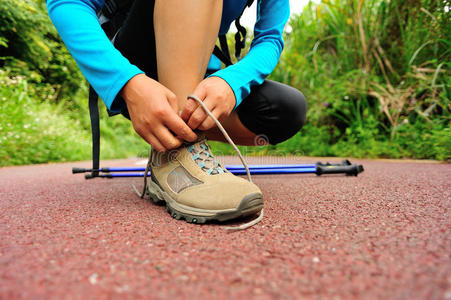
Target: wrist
<point>130,90</point>
<point>227,88</point>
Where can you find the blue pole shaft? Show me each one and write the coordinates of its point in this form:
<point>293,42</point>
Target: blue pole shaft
<point>228,167</point>
<point>273,171</point>
<point>236,172</point>
<point>295,166</point>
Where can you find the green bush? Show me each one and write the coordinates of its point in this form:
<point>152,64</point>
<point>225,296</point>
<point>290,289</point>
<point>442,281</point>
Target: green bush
<point>35,131</point>
<point>372,72</point>
<point>31,47</point>
<point>44,115</point>
<point>39,131</point>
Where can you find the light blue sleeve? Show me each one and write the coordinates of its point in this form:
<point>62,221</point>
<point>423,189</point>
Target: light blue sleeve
<point>106,69</point>
<point>264,52</point>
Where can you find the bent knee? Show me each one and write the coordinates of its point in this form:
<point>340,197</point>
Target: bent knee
<point>292,110</point>
<point>293,107</point>
<point>274,110</point>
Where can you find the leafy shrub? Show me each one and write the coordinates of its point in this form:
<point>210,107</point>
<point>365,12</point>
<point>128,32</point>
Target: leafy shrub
<point>39,132</point>
<point>31,47</point>
<point>370,70</point>
<point>43,97</point>
<point>35,132</point>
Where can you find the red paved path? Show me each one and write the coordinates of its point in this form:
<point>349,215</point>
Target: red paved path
<point>385,234</point>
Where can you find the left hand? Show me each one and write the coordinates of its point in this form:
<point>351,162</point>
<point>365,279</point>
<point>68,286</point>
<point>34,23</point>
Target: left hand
<point>219,98</point>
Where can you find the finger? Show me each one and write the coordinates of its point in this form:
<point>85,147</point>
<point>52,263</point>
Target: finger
<point>199,115</point>
<point>166,138</point>
<point>153,141</point>
<point>172,100</point>
<point>188,109</point>
<point>179,127</point>
<point>191,105</point>
<point>156,144</point>
<point>209,122</point>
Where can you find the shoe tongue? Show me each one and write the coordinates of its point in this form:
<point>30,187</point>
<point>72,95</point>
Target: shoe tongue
<point>203,157</point>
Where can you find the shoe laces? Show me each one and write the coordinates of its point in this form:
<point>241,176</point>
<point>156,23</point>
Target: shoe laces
<point>207,157</point>
<point>201,154</point>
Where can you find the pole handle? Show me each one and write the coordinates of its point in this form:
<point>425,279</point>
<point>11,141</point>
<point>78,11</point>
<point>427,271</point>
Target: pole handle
<point>352,170</point>
<point>76,170</point>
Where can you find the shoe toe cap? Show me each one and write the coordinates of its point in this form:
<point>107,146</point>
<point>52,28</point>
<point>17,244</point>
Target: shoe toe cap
<point>223,192</point>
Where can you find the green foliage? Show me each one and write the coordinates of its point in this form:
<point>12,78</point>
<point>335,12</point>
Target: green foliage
<point>38,131</point>
<point>420,140</point>
<point>35,132</point>
<point>31,47</point>
<point>43,96</point>
<point>373,72</point>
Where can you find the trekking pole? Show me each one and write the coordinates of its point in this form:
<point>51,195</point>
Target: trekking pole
<point>235,171</point>
<point>228,167</point>
<point>318,169</point>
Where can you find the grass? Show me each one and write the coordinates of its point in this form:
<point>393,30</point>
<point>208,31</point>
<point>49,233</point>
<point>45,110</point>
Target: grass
<point>376,76</point>
<point>36,131</point>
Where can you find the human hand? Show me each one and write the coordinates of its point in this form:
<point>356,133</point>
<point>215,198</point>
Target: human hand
<point>153,111</point>
<point>219,98</point>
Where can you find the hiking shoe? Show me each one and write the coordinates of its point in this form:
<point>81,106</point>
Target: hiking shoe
<point>196,187</point>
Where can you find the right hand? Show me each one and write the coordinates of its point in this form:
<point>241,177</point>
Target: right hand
<point>153,110</point>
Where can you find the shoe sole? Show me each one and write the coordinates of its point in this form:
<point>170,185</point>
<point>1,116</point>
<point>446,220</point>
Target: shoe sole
<point>249,205</point>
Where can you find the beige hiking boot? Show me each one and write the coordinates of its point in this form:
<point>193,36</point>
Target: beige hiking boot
<point>198,188</point>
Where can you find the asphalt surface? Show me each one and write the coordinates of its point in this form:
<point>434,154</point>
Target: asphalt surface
<point>385,234</point>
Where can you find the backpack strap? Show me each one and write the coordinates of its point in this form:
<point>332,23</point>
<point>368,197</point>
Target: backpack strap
<point>240,41</point>
<point>223,53</point>
<point>95,130</point>
<point>240,36</point>
<point>224,46</point>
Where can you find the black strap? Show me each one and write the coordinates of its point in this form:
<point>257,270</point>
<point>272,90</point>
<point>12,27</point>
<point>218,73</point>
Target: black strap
<point>240,36</point>
<point>224,46</point>
<point>240,41</point>
<point>95,129</point>
<point>219,54</point>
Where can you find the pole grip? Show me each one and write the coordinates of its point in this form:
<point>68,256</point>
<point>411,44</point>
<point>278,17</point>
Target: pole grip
<point>352,170</point>
<point>76,170</point>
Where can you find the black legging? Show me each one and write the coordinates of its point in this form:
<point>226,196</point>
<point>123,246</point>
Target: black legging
<point>273,110</point>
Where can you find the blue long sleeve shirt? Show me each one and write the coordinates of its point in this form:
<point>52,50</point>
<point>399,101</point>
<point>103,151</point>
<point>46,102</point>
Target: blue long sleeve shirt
<point>107,70</point>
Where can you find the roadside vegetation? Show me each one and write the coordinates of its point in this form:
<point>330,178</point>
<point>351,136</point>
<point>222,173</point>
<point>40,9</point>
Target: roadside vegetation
<point>43,97</point>
<point>376,75</point>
